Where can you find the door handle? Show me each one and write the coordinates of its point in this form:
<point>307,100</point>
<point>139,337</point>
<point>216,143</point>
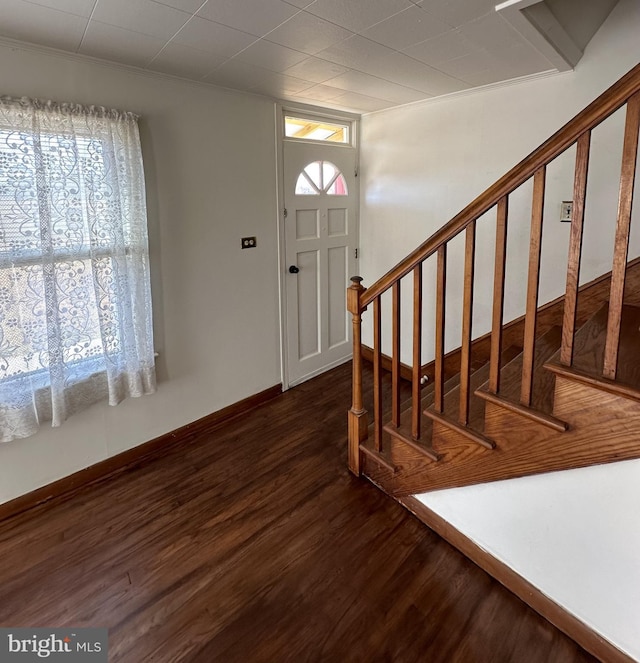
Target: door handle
<point>293,269</point>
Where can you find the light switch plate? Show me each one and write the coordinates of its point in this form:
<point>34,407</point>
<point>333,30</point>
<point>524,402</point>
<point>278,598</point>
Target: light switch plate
<point>566,210</point>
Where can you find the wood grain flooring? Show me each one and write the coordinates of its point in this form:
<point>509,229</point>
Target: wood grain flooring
<point>254,544</point>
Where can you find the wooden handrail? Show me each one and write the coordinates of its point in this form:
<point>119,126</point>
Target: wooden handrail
<point>595,113</point>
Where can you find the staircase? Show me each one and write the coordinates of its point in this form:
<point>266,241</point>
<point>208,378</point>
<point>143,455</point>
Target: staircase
<point>564,394</point>
<point>575,418</point>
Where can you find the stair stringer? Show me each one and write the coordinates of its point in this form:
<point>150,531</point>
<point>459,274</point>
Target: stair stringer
<point>603,428</point>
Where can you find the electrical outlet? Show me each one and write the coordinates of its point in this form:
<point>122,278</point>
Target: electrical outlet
<point>566,210</point>
<point>249,243</point>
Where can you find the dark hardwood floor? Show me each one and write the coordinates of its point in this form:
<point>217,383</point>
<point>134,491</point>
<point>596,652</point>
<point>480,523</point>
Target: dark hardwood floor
<point>255,544</point>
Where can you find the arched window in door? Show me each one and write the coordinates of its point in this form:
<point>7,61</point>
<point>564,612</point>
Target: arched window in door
<point>321,177</point>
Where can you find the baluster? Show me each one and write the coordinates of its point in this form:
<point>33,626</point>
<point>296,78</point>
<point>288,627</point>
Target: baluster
<point>575,249</point>
<point>377,375</point>
<point>395,356</point>
<point>498,295</point>
<point>416,387</point>
<point>621,246</point>
<point>467,310</point>
<point>441,286</point>
<point>357,414</point>
<point>533,282</point>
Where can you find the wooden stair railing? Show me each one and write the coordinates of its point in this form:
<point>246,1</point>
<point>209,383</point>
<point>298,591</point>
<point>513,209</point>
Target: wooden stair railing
<point>578,132</point>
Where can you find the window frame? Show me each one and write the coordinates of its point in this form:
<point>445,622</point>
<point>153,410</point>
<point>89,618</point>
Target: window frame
<point>326,189</point>
<point>313,117</point>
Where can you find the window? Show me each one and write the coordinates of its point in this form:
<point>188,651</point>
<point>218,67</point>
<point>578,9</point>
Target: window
<point>316,129</point>
<point>75,305</point>
<point>321,177</point>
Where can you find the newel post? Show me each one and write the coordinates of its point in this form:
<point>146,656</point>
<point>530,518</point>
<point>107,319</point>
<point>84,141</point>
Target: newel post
<point>358,422</point>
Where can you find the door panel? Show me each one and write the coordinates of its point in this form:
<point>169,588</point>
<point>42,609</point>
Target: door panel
<point>338,222</point>
<point>307,224</point>
<point>337,276</point>
<point>308,304</point>
<point>320,234</point>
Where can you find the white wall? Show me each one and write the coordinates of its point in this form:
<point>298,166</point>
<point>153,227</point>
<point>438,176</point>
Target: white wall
<point>211,178</point>
<point>423,163</point>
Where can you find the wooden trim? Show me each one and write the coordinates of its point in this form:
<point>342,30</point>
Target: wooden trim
<point>597,111</point>
<point>563,620</point>
<point>127,460</point>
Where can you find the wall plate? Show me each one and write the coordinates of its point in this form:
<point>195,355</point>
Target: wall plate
<point>566,210</point>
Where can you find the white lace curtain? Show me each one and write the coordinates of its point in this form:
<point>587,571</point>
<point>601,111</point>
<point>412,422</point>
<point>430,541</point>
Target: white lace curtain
<point>75,302</point>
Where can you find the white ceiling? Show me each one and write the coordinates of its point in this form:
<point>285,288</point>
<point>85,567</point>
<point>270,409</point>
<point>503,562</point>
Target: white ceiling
<point>358,55</point>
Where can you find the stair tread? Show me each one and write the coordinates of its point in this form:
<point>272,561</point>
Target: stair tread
<point>476,405</point>
<point>468,432</point>
<point>526,411</point>
<point>543,381</point>
<point>403,432</point>
<point>429,394</point>
<point>589,343</point>
<point>381,457</point>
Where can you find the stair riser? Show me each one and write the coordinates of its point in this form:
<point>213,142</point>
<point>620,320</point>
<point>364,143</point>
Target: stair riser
<point>603,428</point>
<point>507,427</point>
<point>415,473</point>
<point>412,468</point>
<point>597,412</point>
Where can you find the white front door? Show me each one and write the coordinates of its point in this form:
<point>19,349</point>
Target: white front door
<point>321,230</point>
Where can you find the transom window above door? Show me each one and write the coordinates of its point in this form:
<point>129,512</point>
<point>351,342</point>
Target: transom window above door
<point>317,129</point>
<point>321,177</point>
